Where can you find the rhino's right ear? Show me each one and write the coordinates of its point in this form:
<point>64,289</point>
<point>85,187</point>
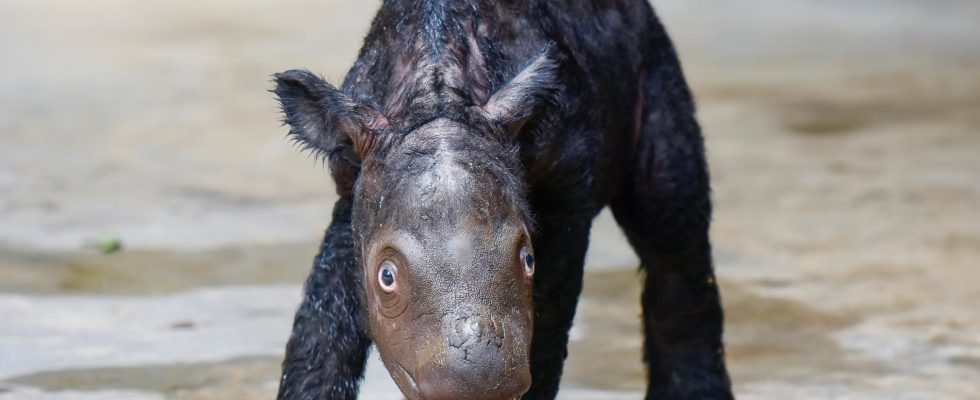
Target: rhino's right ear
<point>537,83</point>
<point>322,117</point>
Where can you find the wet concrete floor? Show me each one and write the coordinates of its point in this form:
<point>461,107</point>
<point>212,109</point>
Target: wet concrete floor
<point>843,139</point>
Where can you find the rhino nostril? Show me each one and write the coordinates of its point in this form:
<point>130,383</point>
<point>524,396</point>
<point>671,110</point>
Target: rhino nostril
<point>460,332</point>
<point>475,326</point>
<point>498,330</point>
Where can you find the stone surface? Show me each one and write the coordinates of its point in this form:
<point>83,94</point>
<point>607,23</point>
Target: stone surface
<point>843,140</point>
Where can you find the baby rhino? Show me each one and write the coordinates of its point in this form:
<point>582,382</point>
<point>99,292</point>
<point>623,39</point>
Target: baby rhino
<point>472,143</point>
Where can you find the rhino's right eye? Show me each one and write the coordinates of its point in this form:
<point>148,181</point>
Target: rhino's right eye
<point>527,259</point>
<point>387,276</point>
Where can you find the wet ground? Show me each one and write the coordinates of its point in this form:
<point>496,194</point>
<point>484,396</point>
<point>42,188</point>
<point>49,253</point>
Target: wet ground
<point>843,138</point>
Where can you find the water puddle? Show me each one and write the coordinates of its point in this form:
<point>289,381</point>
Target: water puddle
<point>194,325</point>
<point>240,378</point>
<point>152,271</point>
<point>767,338</point>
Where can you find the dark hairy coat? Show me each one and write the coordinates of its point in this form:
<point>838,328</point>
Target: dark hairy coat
<point>605,118</point>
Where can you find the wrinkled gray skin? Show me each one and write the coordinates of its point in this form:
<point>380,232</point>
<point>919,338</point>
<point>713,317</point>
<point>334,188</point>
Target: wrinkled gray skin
<point>441,203</point>
<point>458,323</point>
<point>439,199</point>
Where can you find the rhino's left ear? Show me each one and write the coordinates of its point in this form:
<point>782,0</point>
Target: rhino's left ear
<point>516,101</point>
<point>322,117</point>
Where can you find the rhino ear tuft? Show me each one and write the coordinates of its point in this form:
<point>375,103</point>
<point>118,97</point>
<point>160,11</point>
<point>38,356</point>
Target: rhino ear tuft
<point>322,117</point>
<point>537,83</point>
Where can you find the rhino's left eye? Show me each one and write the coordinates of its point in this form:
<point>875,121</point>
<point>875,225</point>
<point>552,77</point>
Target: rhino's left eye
<point>527,259</point>
<point>387,275</point>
